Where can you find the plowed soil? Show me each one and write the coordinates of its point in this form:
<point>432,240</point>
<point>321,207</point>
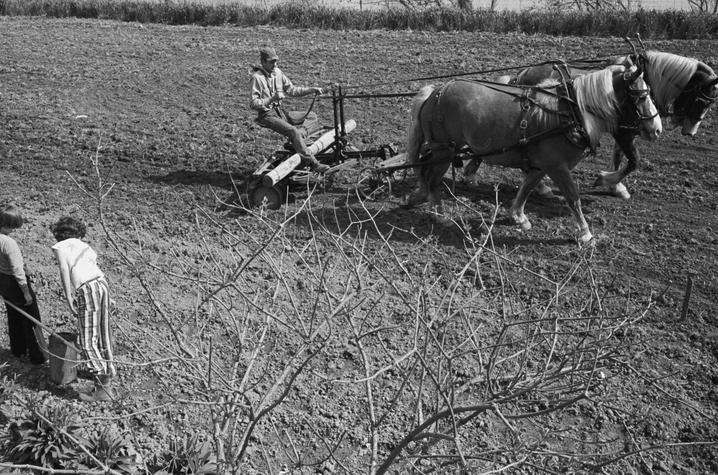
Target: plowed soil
<point>164,111</point>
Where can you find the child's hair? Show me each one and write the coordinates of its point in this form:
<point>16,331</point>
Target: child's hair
<point>68,227</point>
<point>10,217</point>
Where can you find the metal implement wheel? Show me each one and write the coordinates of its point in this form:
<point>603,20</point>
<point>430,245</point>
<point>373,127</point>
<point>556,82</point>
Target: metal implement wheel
<point>372,184</point>
<point>270,197</point>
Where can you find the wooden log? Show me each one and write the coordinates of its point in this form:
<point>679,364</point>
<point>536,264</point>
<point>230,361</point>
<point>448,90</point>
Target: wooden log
<point>278,173</point>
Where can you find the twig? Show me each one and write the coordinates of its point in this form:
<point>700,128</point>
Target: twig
<point>687,298</point>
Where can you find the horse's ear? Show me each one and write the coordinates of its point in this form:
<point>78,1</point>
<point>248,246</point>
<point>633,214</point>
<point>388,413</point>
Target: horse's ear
<point>634,56</point>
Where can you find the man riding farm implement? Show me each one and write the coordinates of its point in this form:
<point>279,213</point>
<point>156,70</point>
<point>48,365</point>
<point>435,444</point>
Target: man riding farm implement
<point>268,87</point>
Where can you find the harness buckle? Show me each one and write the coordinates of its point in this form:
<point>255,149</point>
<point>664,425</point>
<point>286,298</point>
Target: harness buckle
<point>524,124</point>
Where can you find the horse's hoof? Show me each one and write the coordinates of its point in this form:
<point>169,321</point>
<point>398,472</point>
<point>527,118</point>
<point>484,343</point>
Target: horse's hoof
<point>523,222</point>
<point>621,191</point>
<point>586,240</point>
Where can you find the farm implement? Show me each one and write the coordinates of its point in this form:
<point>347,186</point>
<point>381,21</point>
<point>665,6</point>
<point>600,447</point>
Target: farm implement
<point>275,178</point>
<point>372,170</point>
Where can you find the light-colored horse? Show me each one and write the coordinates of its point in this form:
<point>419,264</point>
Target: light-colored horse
<point>682,88</point>
<point>523,127</point>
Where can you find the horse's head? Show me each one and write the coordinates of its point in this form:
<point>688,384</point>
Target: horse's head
<point>692,104</point>
<point>638,111</point>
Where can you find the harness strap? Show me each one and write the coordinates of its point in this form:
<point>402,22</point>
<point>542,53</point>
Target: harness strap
<point>523,129</point>
<point>576,123</point>
<point>572,126</point>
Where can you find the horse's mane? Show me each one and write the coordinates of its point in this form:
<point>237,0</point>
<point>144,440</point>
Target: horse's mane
<point>597,99</point>
<point>668,74</point>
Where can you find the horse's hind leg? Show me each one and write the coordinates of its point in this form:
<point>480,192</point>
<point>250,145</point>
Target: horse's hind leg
<point>435,181</point>
<point>428,188</point>
<point>517,207</point>
<point>562,177</point>
<point>420,193</point>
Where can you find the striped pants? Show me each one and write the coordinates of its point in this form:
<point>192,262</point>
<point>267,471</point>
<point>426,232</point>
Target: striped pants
<point>93,326</point>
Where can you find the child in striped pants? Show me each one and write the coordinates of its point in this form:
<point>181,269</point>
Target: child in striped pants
<point>88,295</point>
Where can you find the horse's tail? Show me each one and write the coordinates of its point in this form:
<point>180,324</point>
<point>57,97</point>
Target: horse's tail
<point>415,134</point>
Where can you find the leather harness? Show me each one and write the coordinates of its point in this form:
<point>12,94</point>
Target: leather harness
<point>571,122</point>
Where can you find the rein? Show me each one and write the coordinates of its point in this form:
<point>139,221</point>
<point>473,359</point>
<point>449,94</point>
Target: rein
<point>588,62</point>
<point>311,106</point>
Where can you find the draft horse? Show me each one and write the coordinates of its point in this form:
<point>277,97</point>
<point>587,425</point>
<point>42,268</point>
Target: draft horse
<point>543,130</point>
<point>683,90</point>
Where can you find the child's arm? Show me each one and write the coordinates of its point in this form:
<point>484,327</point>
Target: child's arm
<point>26,293</point>
<point>14,257</point>
<point>65,280</point>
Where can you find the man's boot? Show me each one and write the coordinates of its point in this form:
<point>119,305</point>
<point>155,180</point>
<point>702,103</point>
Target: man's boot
<point>315,165</point>
<point>102,391</point>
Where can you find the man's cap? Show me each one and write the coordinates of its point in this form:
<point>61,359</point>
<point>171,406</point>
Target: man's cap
<point>267,53</point>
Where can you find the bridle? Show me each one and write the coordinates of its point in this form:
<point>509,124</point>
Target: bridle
<point>637,96</point>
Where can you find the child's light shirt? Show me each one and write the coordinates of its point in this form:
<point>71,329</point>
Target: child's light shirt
<point>80,258</point>
<point>11,262</point>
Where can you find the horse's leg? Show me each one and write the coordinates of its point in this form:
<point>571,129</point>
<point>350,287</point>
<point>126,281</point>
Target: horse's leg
<point>517,207</point>
<point>421,192</point>
<point>619,189</point>
<point>625,145</point>
<point>434,182</point>
<point>471,167</point>
<point>562,177</point>
<point>414,141</point>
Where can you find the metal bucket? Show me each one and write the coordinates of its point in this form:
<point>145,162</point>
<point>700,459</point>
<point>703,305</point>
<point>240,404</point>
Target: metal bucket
<point>63,358</point>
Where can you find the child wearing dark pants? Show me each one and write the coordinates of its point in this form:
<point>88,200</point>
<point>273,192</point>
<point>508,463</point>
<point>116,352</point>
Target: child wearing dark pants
<point>15,288</point>
<point>88,296</point>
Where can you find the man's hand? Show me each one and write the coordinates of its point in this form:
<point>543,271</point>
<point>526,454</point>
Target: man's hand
<point>278,96</point>
<point>318,91</point>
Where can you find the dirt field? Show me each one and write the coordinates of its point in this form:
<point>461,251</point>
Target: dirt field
<point>164,109</point>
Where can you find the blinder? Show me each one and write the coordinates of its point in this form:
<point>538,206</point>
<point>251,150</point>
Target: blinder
<point>637,96</point>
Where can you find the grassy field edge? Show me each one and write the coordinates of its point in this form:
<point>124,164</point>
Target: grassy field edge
<point>669,24</point>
